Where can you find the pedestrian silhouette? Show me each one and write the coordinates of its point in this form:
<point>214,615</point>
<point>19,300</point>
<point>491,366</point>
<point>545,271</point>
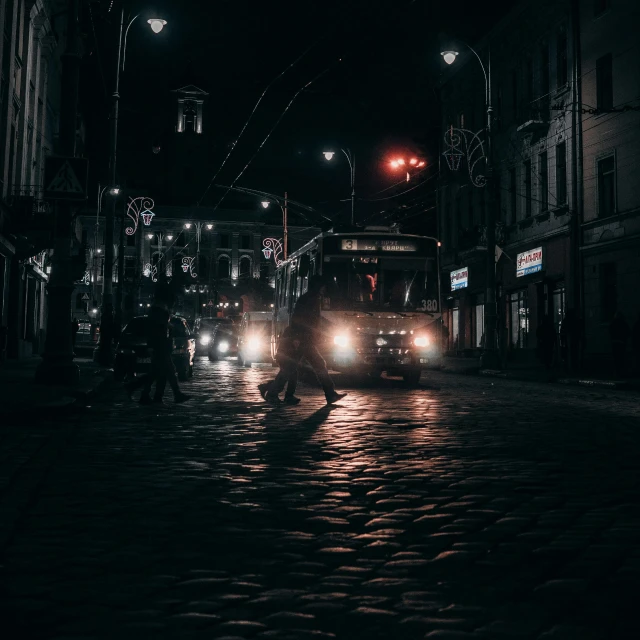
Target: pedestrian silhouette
<point>305,328</point>
<point>160,341</point>
<point>619,332</point>
<point>288,356</point>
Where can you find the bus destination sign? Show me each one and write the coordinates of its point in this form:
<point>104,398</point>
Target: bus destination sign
<point>379,244</point>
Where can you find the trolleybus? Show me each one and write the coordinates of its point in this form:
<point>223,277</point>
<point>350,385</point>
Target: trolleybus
<point>381,308</point>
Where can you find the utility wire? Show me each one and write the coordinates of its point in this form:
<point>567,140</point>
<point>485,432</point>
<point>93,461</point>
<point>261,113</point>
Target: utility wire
<point>257,104</point>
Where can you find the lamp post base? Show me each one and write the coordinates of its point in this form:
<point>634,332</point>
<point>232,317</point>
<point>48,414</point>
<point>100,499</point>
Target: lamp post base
<point>58,370</point>
<point>490,359</point>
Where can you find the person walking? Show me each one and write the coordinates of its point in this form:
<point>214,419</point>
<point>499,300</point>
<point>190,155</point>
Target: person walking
<point>288,357</point>
<point>619,333</point>
<point>160,342</point>
<point>305,328</point>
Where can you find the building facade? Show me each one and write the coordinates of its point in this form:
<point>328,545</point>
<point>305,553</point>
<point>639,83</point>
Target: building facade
<point>30,63</point>
<point>610,230</point>
<point>214,256</point>
<point>529,60</point>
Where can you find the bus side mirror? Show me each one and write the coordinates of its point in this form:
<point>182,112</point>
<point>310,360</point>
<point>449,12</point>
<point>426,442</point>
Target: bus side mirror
<point>305,264</point>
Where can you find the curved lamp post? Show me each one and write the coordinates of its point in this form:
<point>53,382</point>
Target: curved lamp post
<point>490,355</point>
<point>265,205</point>
<point>103,351</point>
<point>328,155</point>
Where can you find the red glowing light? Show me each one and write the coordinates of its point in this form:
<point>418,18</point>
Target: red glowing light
<point>421,163</point>
<point>413,161</point>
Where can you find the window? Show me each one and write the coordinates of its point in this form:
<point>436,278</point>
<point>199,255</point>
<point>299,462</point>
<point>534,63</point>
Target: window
<point>606,187</point>
<point>479,326</point>
<point>224,268</point>
<point>604,83</point>
<point>544,70</point>
<point>558,296</point>
<point>245,241</point>
<point>561,173</point>
<point>245,267</point>
<point>224,241</point>
<point>518,319</point>
<point>600,6</point>
<point>527,188</point>
<point>129,268</point>
<point>561,60</point>
<point>543,170</point>
<point>513,194</point>
<point>608,290</point>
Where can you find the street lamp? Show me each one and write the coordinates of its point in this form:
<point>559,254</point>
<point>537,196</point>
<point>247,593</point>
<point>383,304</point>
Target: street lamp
<point>412,163</point>
<point>352,166</point>
<point>106,334</point>
<point>490,355</point>
<point>285,231</point>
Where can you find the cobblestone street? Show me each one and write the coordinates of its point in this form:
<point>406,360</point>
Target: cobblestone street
<point>467,508</point>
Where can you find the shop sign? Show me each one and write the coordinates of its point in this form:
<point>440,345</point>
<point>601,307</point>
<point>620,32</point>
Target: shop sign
<point>460,278</point>
<point>529,262</point>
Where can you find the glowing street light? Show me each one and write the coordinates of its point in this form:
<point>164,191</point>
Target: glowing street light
<point>328,155</point>
<point>114,191</point>
<point>449,56</point>
<point>169,237</point>
<point>156,24</point>
<point>265,204</point>
<point>150,235</point>
<point>209,227</point>
<point>187,225</point>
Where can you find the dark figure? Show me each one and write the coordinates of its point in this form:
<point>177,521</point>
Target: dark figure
<point>635,345</point>
<point>288,357</point>
<point>162,370</point>
<point>75,327</point>
<point>546,336</point>
<point>572,340</point>
<point>304,327</point>
<point>619,332</point>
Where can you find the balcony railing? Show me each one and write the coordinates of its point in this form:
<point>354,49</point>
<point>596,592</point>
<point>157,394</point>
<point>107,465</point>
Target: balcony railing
<point>29,200</point>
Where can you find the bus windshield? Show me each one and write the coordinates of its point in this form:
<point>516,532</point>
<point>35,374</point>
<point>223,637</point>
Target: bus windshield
<point>393,283</point>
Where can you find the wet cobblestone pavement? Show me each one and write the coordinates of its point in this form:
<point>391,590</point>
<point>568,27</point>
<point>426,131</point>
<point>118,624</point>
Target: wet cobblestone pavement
<point>467,508</point>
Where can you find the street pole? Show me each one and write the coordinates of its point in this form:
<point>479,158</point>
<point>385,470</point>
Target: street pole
<point>284,224</point>
<point>197,292</point>
<point>106,323</point>
<point>490,355</point>
<point>57,366</point>
<point>119,291</point>
<point>352,167</point>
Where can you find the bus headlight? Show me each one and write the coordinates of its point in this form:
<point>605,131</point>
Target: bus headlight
<point>421,341</point>
<point>341,340</point>
<point>253,344</point>
<point>205,339</point>
<point>223,347</point>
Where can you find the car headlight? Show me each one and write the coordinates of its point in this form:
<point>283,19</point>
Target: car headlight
<point>253,343</point>
<point>421,341</point>
<point>223,346</point>
<point>205,339</point>
<point>341,340</point>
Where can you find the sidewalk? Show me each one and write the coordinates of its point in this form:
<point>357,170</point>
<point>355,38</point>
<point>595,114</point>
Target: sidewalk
<point>23,401</point>
<point>536,373</point>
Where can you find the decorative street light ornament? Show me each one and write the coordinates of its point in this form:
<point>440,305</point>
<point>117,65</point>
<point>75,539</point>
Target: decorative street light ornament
<point>454,140</point>
<point>151,271</point>
<point>135,207</point>
<point>147,217</point>
<point>87,278</point>
<point>272,245</point>
<point>187,265</point>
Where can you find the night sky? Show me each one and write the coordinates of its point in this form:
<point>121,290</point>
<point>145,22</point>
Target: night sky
<point>378,62</point>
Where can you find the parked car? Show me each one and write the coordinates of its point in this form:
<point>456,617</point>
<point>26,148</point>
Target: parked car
<point>224,341</point>
<point>254,338</point>
<point>134,356</point>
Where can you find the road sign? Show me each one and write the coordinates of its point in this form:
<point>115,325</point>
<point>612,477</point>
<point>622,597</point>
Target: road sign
<point>85,296</point>
<point>66,178</point>
<point>210,303</point>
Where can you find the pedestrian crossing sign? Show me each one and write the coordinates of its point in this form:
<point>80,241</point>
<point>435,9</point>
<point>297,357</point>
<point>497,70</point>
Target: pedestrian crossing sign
<point>66,178</point>
<point>85,296</point>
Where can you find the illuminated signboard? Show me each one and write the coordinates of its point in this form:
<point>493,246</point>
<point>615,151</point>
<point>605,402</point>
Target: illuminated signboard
<point>529,262</point>
<point>378,244</point>
<point>460,278</point>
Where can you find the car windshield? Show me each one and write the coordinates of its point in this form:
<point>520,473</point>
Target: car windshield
<point>209,324</point>
<point>364,283</point>
<point>259,326</point>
